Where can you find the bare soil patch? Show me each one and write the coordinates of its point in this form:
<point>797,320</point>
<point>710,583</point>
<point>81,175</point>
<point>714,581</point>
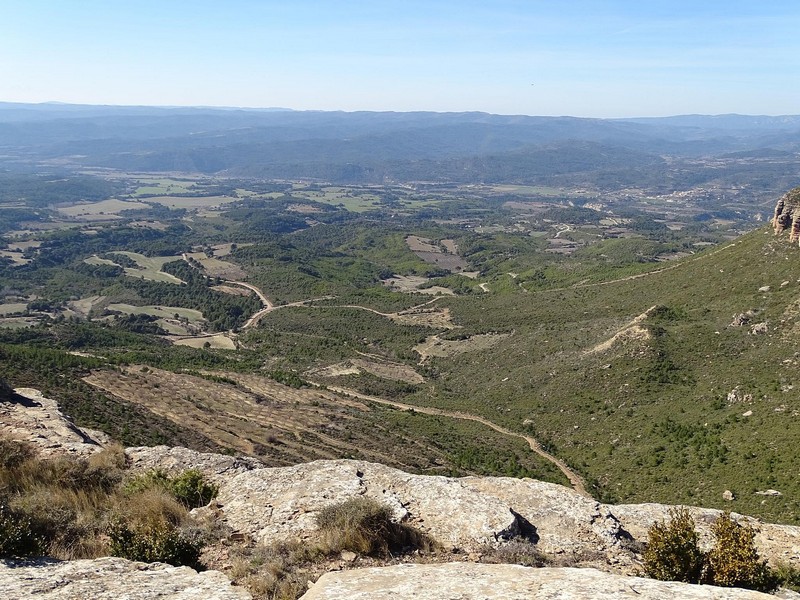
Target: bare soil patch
<point>435,346</point>
<point>630,331</point>
<point>104,207</point>
<point>443,255</point>
<point>231,289</point>
<point>382,369</point>
<point>410,284</point>
<point>221,341</point>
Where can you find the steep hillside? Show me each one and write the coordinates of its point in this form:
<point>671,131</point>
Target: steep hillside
<point>674,385</point>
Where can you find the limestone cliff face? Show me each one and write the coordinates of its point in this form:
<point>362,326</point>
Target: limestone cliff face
<point>787,214</point>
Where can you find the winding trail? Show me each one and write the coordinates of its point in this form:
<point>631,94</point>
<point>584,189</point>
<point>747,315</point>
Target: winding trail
<point>577,482</point>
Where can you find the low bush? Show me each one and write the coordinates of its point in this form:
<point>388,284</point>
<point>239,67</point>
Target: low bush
<point>365,526</point>
<point>154,543</point>
<point>189,487</point>
<point>673,554</point>
<point>17,538</point>
<point>70,508</point>
<point>734,560</point>
<point>148,526</point>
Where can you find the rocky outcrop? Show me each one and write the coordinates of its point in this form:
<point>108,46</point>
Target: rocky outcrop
<point>787,214</point>
<point>468,581</point>
<point>216,467</point>
<point>470,514</point>
<point>29,416</point>
<point>112,579</point>
<point>280,504</point>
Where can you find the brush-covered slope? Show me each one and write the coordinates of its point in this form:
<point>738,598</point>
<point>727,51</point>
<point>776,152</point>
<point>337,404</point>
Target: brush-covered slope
<point>674,386</point>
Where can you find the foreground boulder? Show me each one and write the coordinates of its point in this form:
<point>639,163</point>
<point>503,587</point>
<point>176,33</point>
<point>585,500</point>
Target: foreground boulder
<point>469,581</point>
<point>112,579</point>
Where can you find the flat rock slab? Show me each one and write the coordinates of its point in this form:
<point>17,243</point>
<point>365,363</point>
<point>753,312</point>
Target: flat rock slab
<point>112,579</point>
<point>469,581</point>
<point>282,503</point>
<point>216,467</point>
<point>564,520</point>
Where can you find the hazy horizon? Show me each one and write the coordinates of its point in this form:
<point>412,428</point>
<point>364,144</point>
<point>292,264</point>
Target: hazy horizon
<point>290,109</point>
<point>614,59</point>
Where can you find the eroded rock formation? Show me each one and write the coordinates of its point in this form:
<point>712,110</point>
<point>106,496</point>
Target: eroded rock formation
<point>787,214</point>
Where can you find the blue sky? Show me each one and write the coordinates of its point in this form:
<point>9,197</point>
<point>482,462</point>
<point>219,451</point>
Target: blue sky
<point>582,58</point>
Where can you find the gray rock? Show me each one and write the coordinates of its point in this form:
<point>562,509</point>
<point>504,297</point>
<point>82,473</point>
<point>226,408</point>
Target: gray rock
<point>281,503</point>
<point>469,581</point>
<point>112,579</point>
<point>29,416</point>
<point>564,521</point>
<point>216,467</point>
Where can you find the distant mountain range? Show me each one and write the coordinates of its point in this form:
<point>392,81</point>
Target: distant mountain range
<point>361,147</point>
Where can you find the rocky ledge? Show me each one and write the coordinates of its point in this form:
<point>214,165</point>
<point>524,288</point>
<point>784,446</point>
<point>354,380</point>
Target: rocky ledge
<point>470,517</point>
<point>468,581</point>
<point>112,579</point>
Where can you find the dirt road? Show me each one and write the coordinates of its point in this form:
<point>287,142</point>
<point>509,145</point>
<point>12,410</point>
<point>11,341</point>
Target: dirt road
<point>577,482</point>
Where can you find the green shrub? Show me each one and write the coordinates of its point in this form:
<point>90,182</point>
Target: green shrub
<point>148,526</point>
<point>672,552</point>
<point>788,575</point>
<point>13,453</point>
<point>158,542</point>
<point>153,479</point>
<point>17,538</point>
<point>364,526</point>
<point>734,560</point>
<point>192,489</point>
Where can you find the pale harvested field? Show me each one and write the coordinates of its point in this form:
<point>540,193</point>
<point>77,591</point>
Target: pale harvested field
<point>85,305</point>
<point>258,416</point>
<point>434,346</point>
<point>214,267</point>
<point>13,308</point>
<point>433,253</point>
<point>163,312</point>
<point>382,369</point>
<point>231,289</point>
<point>425,316</point>
<point>416,243</point>
<point>220,341</point>
<point>451,262</point>
<point>410,284</point>
<point>96,260</point>
<point>192,201</point>
<point>221,250</point>
<point>104,207</point>
<point>150,267</point>
<point>17,322</point>
<point>450,246</point>
<point>20,246</point>
<point>16,257</point>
